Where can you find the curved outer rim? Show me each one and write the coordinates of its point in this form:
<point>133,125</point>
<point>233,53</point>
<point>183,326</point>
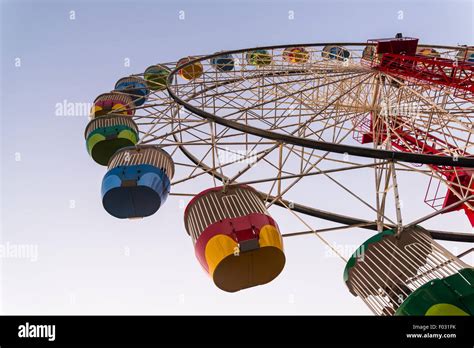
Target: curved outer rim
<point>325,215</point>
<point>342,219</point>
<point>314,144</point>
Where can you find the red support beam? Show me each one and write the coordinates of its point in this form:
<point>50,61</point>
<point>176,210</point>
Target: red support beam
<point>406,138</point>
<point>458,76</point>
<point>397,57</point>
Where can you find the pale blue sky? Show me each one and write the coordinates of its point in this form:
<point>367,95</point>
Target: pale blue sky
<point>81,266</point>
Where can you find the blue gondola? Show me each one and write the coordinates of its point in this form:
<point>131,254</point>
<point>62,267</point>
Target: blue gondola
<point>224,62</point>
<point>335,52</point>
<point>137,182</point>
<point>134,87</point>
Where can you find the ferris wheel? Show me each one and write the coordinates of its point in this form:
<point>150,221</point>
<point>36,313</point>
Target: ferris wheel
<point>242,133</point>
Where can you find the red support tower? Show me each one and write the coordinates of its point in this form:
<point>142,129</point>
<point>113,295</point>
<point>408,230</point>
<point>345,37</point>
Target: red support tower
<point>458,76</point>
<point>397,57</point>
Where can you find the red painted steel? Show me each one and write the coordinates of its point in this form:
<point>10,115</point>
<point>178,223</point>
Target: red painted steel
<point>432,71</point>
<point>397,57</point>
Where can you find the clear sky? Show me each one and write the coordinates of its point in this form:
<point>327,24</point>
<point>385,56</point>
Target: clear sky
<point>88,262</point>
